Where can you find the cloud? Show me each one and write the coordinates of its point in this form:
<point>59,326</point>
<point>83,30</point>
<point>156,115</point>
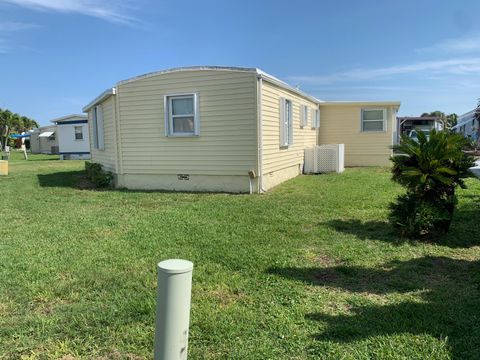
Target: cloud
<point>112,11</point>
<point>441,67</point>
<point>469,44</point>
<point>8,27</point>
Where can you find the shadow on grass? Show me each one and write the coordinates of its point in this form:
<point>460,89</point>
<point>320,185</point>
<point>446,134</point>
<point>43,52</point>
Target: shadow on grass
<point>449,306</point>
<point>464,231</point>
<point>71,179</point>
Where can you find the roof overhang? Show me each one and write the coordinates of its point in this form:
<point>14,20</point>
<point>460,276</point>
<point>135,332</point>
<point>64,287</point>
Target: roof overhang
<point>361,103</point>
<point>69,118</point>
<point>100,98</point>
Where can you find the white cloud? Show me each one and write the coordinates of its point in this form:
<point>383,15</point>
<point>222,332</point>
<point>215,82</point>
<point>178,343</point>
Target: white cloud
<point>11,26</point>
<point>106,10</point>
<point>8,27</point>
<point>455,46</point>
<point>441,67</point>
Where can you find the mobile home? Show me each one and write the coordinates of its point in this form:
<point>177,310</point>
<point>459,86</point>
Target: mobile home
<point>224,129</point>
<point>73,137</point>
<point>44,140</point>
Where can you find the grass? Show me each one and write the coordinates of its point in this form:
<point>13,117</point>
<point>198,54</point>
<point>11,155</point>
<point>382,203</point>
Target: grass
<point>308,270</point>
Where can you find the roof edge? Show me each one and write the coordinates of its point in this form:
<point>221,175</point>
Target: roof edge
<point>103,96</point>
<point>366,103</point>
<point>66,117</point>
<point>188,68</point>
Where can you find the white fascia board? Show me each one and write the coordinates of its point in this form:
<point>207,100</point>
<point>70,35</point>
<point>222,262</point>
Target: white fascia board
<point>103,96</point>
<point>362,103</point>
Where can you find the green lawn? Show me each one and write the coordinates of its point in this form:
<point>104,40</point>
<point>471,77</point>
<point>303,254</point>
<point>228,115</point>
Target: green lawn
<point>308,270</point>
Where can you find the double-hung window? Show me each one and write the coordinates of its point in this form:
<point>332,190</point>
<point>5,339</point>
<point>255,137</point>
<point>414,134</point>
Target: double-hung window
<point>316,118</point>
<point>374,120</point>
<point>286,122</point>
<point>78,132</point>
<point>97,125</point>
<point>304,115</point>
<point>182,116</point>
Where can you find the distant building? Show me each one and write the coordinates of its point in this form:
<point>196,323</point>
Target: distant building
<point>73,137</point>
<point>468,126</point>
<point>408,123</point>
<point>44,140</point>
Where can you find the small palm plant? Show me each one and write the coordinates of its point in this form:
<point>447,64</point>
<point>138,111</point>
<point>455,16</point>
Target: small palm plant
<point>430,169</point>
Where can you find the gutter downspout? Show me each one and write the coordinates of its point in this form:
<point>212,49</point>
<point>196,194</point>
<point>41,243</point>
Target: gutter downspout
<point>259,133</point>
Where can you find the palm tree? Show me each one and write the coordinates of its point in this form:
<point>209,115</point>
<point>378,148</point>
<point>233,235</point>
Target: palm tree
<point>430,169</point>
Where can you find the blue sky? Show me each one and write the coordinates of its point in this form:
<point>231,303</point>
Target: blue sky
<point>56,56</point>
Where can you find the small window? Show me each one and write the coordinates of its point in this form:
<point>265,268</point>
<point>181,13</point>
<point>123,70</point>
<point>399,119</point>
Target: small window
<point>373,120</point>
<point>52,137</point>
<point>304,116</point>
<point>182,115</point>
<point>316,118</point>
<point>286,122</point>
<point>97,124</point>
<point>78,132</point>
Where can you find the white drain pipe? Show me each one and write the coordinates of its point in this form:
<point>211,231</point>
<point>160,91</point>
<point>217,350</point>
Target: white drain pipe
<point>173,309</point>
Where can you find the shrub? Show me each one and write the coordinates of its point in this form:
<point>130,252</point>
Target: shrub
<point>430,169</point>
<point>97,175</point>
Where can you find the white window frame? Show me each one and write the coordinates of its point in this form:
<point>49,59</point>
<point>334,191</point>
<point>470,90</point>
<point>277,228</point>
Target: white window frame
<point>316,118</point>
<point>286,122</point>
<point>304,115</point>
<point>167,103</point>
<point>75,132</point>
<point>98,128</point>
<point>384,123</point>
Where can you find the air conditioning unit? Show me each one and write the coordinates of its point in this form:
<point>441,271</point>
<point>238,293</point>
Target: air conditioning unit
<point>324,159</point>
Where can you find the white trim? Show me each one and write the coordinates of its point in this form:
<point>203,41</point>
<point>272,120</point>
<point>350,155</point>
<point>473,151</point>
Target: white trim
<point>361,103</point>
<point>303,116</point>
<point>100,98</point>
<point>384,120</point>
<point>72,117</point>
<point>167,99</point>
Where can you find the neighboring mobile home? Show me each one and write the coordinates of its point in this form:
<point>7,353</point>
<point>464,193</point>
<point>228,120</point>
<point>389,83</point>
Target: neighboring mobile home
<point>223,129</point>
<point>468,126</point>
<point>44,140</point>
<point>73,137</point>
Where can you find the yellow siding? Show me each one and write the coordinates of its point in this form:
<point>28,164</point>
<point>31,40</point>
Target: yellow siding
<point>280,163</point>
<point>341,124</point>
<point>106,157</point>
<point>228,135</point>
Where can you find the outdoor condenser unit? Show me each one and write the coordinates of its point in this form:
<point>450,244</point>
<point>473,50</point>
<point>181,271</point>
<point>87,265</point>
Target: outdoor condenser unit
<point>324,159</point>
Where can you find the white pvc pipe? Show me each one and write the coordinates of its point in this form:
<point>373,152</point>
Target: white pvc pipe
<point>173,309</point>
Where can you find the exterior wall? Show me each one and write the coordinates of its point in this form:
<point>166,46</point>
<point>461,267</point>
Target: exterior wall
<point>341,124</point>
<point>468,126</point>
<point>35,143</point>
<point>212,183</point>
<point>219,159</point>
<point>282,163</point>
<point>106,157</point>
<point>70,147</point>
<point>43,145</point>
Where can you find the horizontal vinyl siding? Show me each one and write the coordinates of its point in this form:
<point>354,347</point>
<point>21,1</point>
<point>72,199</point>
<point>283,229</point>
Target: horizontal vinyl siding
<point>107,156</point>
<point>227,141</point>
<point>274,157</point>
<point>342,124</point>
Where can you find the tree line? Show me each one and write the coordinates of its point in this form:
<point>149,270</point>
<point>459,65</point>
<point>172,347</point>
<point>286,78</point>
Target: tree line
<point>11,123</point>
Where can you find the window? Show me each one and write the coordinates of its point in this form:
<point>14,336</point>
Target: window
<point>97,124</point>
<point>373,120</point>
<point>304,116</point>
<point>182,115</point>
<point>52,137</point>
<point>286,122</point>
<point>316,118</point>
<point>78,132</point>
